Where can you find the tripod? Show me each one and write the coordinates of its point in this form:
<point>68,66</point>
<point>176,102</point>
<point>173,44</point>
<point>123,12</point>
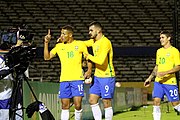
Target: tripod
<point>17,109</point>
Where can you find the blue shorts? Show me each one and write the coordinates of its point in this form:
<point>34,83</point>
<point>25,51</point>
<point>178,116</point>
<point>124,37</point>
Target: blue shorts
<point>103,87</point>
<point>171,91</point>
<point>71,88</point>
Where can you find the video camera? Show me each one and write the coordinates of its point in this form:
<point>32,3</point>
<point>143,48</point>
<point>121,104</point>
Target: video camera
<point>18,56</point>
<point>24,35</point>
<point>12,35</point>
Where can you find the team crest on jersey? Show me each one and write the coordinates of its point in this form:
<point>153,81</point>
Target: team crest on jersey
<point>76,47</point>
<point>168,54</point>
<point>97,49</point>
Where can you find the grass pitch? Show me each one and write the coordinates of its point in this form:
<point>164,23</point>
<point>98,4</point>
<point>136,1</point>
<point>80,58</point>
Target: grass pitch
<point>145,113</point>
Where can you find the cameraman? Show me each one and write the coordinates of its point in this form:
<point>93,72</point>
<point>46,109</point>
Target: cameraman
<point>6,84</point>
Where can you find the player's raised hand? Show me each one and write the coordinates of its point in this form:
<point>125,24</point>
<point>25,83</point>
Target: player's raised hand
<point>59,40</point>
<point>47,38</point>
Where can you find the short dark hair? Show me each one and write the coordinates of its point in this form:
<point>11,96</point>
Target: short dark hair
<point>68,28</point>
<point>97,24</point>
<point>166,32</point>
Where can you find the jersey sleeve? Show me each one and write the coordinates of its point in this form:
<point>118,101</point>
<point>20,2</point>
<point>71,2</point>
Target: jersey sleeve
<point>176,57</point>
<point>157,59</point>
<point>83,48</point>
<point>103,54</point>
<point>89,43</point>
<point>54,50</point>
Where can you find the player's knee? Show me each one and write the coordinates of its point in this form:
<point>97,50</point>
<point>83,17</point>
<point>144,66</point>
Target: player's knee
<point>107,103</point>
<point>157,102</point>
<point>77,106</point>
<point>65,106</point>
<point>92,101</point>
<point>175,103</point>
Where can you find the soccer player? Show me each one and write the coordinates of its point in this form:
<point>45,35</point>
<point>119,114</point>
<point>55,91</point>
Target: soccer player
<point>167,64</point>
<point>70,54</point>
<point>104,76</point>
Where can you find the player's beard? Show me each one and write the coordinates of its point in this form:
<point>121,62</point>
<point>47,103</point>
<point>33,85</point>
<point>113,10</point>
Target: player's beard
<point>64,40</point>
<point>93,36</point>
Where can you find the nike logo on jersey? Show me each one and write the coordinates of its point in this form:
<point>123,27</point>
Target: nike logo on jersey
<point>76,47</point>
<point>175,98</point>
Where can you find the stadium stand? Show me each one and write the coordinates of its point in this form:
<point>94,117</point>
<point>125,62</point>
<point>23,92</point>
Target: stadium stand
<point>127,23</point>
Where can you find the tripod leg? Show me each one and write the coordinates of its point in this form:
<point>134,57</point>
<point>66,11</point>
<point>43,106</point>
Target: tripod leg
<point>15,101</point>
<point>16,109</point>
<point>31,88</point>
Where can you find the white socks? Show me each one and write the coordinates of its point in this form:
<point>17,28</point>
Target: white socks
<point>108,113</point>
<point>177,107</point>
<point>156,113</point>
<point>96,111</point>
<point>64,114</point>
<point>78,114</point>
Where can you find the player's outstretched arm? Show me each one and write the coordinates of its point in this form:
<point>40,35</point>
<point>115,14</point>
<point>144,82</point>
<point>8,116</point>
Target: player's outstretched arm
<point>101,57</point>
<point>151,76</point>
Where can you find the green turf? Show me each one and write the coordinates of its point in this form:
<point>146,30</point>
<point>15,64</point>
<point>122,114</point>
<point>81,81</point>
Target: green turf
<point>145,113</point>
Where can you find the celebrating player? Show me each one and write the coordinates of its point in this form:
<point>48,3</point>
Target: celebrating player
<point>167,63</point>
<point>70,53</point>
<point>104,76</point>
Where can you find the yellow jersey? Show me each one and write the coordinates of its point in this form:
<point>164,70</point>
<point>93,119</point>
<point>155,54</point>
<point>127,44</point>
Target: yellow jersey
<point>167,59</point>
<point>70,56</point>
<point>103,57</point>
